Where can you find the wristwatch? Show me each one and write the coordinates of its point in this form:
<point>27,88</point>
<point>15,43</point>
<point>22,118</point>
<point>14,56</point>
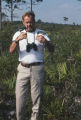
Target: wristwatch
<point>16,41</point>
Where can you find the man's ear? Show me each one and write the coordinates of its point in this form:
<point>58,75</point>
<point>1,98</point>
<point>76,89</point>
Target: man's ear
<point>23,22</point>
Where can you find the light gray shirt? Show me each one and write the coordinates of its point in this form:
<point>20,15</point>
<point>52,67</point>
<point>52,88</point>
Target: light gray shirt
<point>32,56</point>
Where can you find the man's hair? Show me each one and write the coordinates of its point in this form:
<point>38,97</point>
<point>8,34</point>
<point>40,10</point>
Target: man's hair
<point>30,13</point>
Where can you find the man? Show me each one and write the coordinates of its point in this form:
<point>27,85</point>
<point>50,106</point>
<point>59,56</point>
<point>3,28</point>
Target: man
<point>31,42</point>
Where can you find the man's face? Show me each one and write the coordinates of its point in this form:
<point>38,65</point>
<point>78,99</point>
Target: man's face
<point>29,23</point>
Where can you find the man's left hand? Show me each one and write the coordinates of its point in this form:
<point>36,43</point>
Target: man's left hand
<point>41,39</point>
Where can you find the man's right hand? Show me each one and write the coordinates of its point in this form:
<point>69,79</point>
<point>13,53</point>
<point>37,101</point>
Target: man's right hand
<point>21,36</point>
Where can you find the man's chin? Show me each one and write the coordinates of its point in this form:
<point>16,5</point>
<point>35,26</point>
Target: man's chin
<point>30,30</point>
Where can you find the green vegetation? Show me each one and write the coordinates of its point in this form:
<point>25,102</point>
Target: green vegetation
<point>61,99</point>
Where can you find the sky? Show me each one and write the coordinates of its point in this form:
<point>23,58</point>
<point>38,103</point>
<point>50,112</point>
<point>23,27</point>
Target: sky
<point>54,11</point>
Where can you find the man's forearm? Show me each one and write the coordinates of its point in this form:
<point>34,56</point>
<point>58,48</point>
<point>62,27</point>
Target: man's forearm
<point>12,47</point>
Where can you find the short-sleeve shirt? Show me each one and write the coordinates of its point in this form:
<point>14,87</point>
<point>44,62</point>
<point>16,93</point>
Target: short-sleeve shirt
<point>32,56</point>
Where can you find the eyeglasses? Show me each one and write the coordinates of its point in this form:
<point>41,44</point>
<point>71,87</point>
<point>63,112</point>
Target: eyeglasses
<point>31,46</point>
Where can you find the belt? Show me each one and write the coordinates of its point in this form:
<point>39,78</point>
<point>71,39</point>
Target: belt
<point>31,64</point>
